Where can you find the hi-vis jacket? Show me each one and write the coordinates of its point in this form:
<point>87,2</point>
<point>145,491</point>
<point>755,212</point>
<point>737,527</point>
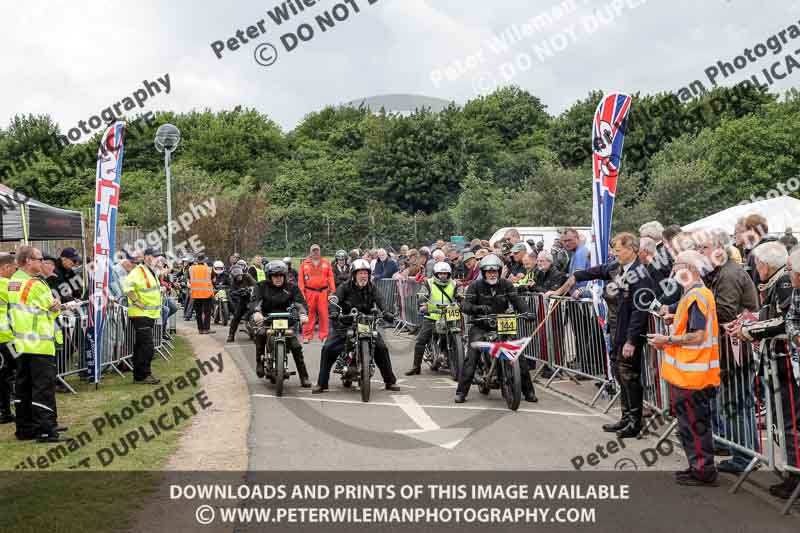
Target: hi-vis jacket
<point>32,322</point>
<point>200,282</point>
<point>148,291</point>
<point>694,367</point>
<point>439,295</point>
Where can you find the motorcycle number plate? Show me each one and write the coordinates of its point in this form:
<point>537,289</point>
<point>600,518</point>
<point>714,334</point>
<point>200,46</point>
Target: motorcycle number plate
<point>363,328</point>
<point>452,314</point>
<point>507,325</point>
<point>280,324</point>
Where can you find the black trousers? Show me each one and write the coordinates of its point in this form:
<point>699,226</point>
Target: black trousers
<point>693,411</point>
<point>790,405</point>
<point>239,310</point>
<point>424,336</point>
<point>8,369</point>
<point>202,311</point>
<point>471,362</point>
<point>143,346</point>
<point>188,307</point>
<point>334,346</point>
<point>36,395</point>
<point>294,347</point>
<point>628,373</point>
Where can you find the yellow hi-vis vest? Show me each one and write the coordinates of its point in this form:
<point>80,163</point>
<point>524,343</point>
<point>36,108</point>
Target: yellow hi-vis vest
<point>32,322</point>
<point>694,367</point>
<point>260,274</point>
<point>5,328</point>
<point>439,296</point>
<point>148,291</point>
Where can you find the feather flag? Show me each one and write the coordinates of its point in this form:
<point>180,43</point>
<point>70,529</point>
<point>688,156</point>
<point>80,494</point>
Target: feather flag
<point>608,135</point>
<point>509,350</point>
<point>109,174</point>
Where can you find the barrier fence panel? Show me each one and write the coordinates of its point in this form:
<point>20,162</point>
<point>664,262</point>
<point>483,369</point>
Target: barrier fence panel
<point>537,350</point>
<point>408,303</point>
<point>785,393</point>
<point>656,390</point>
<point>71,353</point>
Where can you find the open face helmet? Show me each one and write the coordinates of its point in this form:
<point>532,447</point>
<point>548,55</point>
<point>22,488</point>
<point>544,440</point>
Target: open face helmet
<point>442,273</point>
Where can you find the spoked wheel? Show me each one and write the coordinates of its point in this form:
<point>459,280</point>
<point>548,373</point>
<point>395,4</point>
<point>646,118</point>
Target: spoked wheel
<point>511,384</point>
<point>365,353</point>
<point>225,313</point>
<point>456,356</point>
<point>280,367</point>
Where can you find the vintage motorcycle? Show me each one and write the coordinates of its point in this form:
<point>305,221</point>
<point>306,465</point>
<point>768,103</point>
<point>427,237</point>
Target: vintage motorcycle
<point>221,312</point>
<point>357,362</point>
<point>445,351</point>
<point>500,373</point>
<point>278,327</point>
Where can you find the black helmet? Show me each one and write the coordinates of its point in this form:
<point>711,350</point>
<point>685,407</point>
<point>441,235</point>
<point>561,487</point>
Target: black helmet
<point>276,267</point>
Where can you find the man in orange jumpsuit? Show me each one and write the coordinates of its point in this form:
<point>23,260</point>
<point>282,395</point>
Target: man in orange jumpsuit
<point>315,280</point>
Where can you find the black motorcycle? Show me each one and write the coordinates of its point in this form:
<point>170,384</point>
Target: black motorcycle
<point>445,351</point>
<point>221,312</point>
<point>278,327</point>
<point>500,373</point>
<point>357,362</point>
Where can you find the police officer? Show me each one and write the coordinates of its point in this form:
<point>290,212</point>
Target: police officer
<point>7,363</point>
<point>239,298</point>
<point>490,295</point>
<point>359,293</point>
<point>276,295</point>
<point>441,290</point>
<point>32,314</point>
<point>144,308</point>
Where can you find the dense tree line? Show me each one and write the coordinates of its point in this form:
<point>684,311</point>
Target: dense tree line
<point>499,160</point>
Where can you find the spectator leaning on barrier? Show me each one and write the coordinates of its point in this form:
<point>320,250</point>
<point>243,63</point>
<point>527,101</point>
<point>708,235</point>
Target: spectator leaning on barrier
<point>437,256</point>
<point>647,251</point>
<point>578,255</point>
<point>655,231</point>
<point>635,294</point>
<point>560,256</point>
<point>691,366</point>
<point>734,292</point>
<point>526,282</point>
<point>69,281</point>
<point>471,270</point>
<point>49,275</point>
<point>32,315</point>
<point>514,269</point>
<point>144,308</point>
<point>385,267</point>
<point>791,369</point>
<point>788,240</point>
<point>770,259</point>
<point>119,272</point>
<point>7,364</point>
<point>546,276</point>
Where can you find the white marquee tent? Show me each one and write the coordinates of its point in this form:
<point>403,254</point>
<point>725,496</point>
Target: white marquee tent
<point>781,213</point>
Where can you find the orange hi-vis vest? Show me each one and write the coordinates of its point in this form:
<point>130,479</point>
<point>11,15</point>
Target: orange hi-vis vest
<point>200,282</point>
<point>694,367</point>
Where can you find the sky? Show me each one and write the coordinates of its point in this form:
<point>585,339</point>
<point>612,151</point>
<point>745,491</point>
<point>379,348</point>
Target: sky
<point>73,59</point>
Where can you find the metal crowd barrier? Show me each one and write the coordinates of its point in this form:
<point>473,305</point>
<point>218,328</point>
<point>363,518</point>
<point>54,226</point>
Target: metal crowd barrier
<point>656,391</point>
<point>784,385</point>
<point>117,343</point>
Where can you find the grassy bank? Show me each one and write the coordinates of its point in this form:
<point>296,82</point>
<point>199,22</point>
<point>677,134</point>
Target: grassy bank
<point>43,482</point>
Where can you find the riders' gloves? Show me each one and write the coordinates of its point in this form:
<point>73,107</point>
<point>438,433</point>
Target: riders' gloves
<point>303,319</point>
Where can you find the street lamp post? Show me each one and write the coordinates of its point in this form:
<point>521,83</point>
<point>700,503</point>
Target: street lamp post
<point>167,139</point>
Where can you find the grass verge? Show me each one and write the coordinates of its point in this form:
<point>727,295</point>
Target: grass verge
<point>98,483</point>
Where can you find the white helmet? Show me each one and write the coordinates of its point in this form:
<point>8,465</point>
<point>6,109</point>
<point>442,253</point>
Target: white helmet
<point>491,263</point>
<point>442,268</point>
<point>360,264</point>
<point>219,267</point>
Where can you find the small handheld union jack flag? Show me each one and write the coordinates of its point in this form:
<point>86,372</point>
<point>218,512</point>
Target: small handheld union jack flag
<point>509,350</point>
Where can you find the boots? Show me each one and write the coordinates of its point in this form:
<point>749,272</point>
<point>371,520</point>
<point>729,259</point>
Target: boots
<point>414,371</point>
<point>302,371</point>
<point>635,398</point>
<point>259,366</point>
<point>785,489</point>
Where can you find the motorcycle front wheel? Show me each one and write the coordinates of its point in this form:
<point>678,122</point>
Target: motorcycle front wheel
<point>280,367</point>
<point>512,384</point>
<point>456,356</point>
<point>365,355</point>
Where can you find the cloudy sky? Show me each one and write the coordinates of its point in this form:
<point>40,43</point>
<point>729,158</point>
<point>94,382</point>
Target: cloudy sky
<point>73,59</point>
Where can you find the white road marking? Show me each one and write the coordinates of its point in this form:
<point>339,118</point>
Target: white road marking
<point>428,406</point>
<point>415,411</point>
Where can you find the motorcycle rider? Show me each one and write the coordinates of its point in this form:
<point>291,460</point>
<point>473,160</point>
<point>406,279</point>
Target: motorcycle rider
<point>359,293</point>
<point>490,295</point>
<point>439,289</point>
<point>239,298</point>
<point>219,276</point>
<point>341,270</point>
<point>276,295</point>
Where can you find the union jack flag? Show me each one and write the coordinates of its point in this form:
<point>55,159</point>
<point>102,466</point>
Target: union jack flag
<point>509,350</point>
<point>608,134</point>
